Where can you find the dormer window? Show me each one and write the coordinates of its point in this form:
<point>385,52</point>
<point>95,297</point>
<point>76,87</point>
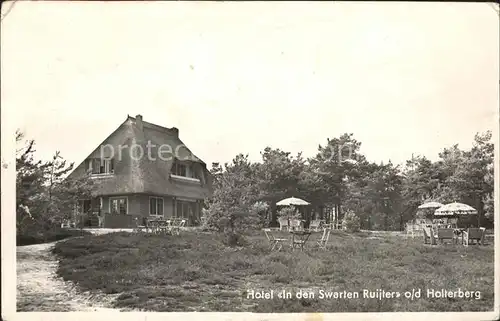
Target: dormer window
<point>180,170</point>
<point>186,170</point>
<point>100,166</point>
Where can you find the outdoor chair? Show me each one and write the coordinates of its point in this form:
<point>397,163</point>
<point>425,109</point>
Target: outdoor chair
<point>315,225</point>
<point>414,229</point>
<point>153,226</point>
<point>169,224</point>
<point>164,227</point>
<point>139,227</point>
<point>420,221</point>
<point>275,242</point>
<point>473,234</point>
<point>295,224</point>
<point>323,242</point>
<point>410,229</point>
<point>283,223</point>
<point>429,235</point>
<point>417,229</point>
<point>445,234</point>
<point>65,224</point>
<point>176,229</point>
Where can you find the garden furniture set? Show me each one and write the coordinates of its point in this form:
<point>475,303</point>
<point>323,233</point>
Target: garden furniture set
<point>436,234</point>
<point>161,226</point>
<point>298,239</point>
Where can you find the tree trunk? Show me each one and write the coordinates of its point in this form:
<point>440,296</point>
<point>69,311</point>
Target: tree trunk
<point>340,211</point>
<point>334,214</point>
<point>273,214</point>
<point>480,210</point>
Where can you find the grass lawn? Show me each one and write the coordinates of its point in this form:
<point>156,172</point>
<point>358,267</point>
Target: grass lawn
<point>197,272</point>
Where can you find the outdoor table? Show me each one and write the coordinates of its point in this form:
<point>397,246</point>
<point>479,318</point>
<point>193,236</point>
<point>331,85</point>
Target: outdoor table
<point>153,225</point>
<point>163,226</point>
<point>299,238</point>
<point>157,225</point>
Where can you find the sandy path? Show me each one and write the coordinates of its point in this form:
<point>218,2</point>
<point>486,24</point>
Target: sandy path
<point>39,289</point>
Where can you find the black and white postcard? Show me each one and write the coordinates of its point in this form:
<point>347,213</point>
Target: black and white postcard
<point>249,160</point>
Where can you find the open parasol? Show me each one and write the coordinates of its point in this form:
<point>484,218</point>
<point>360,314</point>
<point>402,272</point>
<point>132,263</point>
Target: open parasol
<point>430,205</point>
<point>292,201</point>
<point>455,209</point>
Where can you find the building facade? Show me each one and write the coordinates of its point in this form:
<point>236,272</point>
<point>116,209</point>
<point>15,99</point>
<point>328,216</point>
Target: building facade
<point>144,170</point>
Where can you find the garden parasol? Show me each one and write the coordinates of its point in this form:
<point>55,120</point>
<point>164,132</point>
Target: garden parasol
<point>426,210</point>
<point>455,209</point>
<point>430,205</point>
<point>292,201</point>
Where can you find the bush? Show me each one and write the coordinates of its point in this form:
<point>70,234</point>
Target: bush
<point>206,225</point>
<point>261,210</point>
<point>236,219</point>
<point>49,235</point>
<point>289,212</point>
<point>351,222</point>
<point>234,239</point>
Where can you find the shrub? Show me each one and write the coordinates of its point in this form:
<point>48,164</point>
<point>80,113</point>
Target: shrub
<point>234,239</point>
<point>261,210</point>
<point>207,224</point>
<point>47,235</point>
<point>351,222</point>
<point>289,212</point>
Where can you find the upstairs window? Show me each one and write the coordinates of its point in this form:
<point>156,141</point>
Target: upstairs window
<point>186,170</point>
<point>195,174</point>
<point>101,166</point>
<point>180,170</point>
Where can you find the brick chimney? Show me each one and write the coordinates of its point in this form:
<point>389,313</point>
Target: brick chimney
<point>138,121</point>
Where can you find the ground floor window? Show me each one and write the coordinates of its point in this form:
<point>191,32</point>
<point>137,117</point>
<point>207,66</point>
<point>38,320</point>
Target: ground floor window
<point>183,209</point>
<point>188,210</point>
<point>156,206</point>
<point>87,211</point>
<point>118,205</point>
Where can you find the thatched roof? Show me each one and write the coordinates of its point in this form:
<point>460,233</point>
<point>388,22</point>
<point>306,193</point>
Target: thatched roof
<point>143,174</point>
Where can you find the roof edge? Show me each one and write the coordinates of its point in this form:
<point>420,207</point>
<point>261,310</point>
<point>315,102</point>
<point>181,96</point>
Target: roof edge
<point>102,142</point>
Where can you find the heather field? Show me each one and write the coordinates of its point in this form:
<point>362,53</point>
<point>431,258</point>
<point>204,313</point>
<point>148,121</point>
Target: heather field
<point>197,272</point>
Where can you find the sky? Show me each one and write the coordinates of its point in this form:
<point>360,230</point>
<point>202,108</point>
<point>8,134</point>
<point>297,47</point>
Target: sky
<point>405,78</point>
